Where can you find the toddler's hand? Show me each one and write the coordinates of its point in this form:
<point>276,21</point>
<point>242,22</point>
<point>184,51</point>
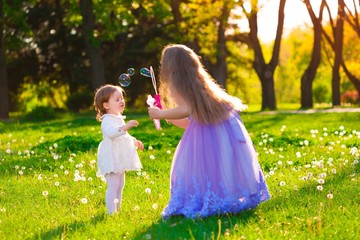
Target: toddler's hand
<point>139,144</point>
<point>130,124</point>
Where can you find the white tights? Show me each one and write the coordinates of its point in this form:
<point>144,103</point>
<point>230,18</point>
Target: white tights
<point>115,186</point>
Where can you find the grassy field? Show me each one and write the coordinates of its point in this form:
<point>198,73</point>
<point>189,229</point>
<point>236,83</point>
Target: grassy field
<point>49,188</point>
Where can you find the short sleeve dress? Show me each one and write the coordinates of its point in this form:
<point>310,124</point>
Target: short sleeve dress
<point>117,151</point>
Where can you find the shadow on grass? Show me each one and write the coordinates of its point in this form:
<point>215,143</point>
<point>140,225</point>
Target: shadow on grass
<point>61,231</point>
<point>202,228</point>
<point>291,205</point>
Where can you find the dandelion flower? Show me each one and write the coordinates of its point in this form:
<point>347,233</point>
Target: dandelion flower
<point>136,208</point>
<point>321,181</point>
<point>155,206</point>
<point>84,201</point>
<point>57,184</point>
<point>320,188</point>
<point>148,190</point>
<point>45,193</point>
<point>152,157</point>
<point>282,183</point>
<point>329,196</point>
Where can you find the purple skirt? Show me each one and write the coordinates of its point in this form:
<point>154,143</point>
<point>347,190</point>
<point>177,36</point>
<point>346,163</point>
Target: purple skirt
<point>215,170</point>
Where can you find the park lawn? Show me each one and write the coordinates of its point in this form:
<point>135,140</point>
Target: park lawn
<point>49,188</point>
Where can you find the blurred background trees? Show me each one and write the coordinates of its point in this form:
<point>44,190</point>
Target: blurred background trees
<point>56,53</point>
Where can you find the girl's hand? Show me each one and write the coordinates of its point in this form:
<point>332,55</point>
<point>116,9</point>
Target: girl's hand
<point>154,112</point>
<point>139,144</point>
<point>130,124</point>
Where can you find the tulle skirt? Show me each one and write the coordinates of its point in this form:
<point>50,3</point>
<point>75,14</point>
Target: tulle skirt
<point>215,170</point>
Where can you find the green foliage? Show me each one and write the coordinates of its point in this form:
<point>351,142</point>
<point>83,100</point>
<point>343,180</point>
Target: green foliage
<point>321,94</point>
<point>80,101</point>
<point>45,93</point>
<point>49,187</point>
<point>41,113</point>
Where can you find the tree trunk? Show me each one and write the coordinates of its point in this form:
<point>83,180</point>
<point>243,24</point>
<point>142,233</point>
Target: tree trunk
<point>338,44</point>
<point>265,71</point>
<point>93,47</point>
<point>268,93</point>
<point>4,95</point>
<point>220,73</point>
<point>309,75</point>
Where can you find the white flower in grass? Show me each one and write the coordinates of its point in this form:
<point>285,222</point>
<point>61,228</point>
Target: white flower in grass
<point>321,181</point>
<point>152,157</point>
<point>40,177</point>
<point>21,173</point>
<point>84,201</point>
<point>298,154</point>
<point>16,167</point>
<point>322,175</point>
<point>319,187</point>
<point>136,208</point>
<point>333,171</point>
<point>148,190</point>
<point>55,145</point>
<point>168,152</point>
<point>45,193</point>
<point>92,192</point>
<point>155,206</point>
<point>57,184</point>
<point>279,162</point>
<point>150,147</point>
<point>282,183</point>
<point>329,196</point>
<point>353,151</point>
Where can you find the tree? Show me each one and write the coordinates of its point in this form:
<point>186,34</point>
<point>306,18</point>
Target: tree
<point>337,46</point>
<point>308,77</point>
<point>93,46</point>
<point>265,71</point>
<point>4,96</point>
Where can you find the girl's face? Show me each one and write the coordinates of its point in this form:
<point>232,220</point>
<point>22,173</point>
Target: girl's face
<point>116,103</point>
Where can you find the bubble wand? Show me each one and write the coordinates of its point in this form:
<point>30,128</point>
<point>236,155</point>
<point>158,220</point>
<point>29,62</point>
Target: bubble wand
<point>150,100</point>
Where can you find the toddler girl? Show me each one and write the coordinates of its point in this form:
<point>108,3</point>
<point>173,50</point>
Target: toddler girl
<point>117,151</point>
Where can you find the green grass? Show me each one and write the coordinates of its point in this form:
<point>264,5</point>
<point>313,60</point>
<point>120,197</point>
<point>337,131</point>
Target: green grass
<point>49,188</point>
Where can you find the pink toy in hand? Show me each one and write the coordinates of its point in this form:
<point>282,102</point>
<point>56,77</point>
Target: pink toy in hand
<point>152,102</point>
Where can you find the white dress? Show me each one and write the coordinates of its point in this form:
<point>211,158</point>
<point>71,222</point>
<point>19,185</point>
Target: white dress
<point>117,151</point>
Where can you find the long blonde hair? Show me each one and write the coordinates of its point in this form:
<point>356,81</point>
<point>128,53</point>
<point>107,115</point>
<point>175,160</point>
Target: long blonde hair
<point>182,71</point>
<point>103,95</point>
